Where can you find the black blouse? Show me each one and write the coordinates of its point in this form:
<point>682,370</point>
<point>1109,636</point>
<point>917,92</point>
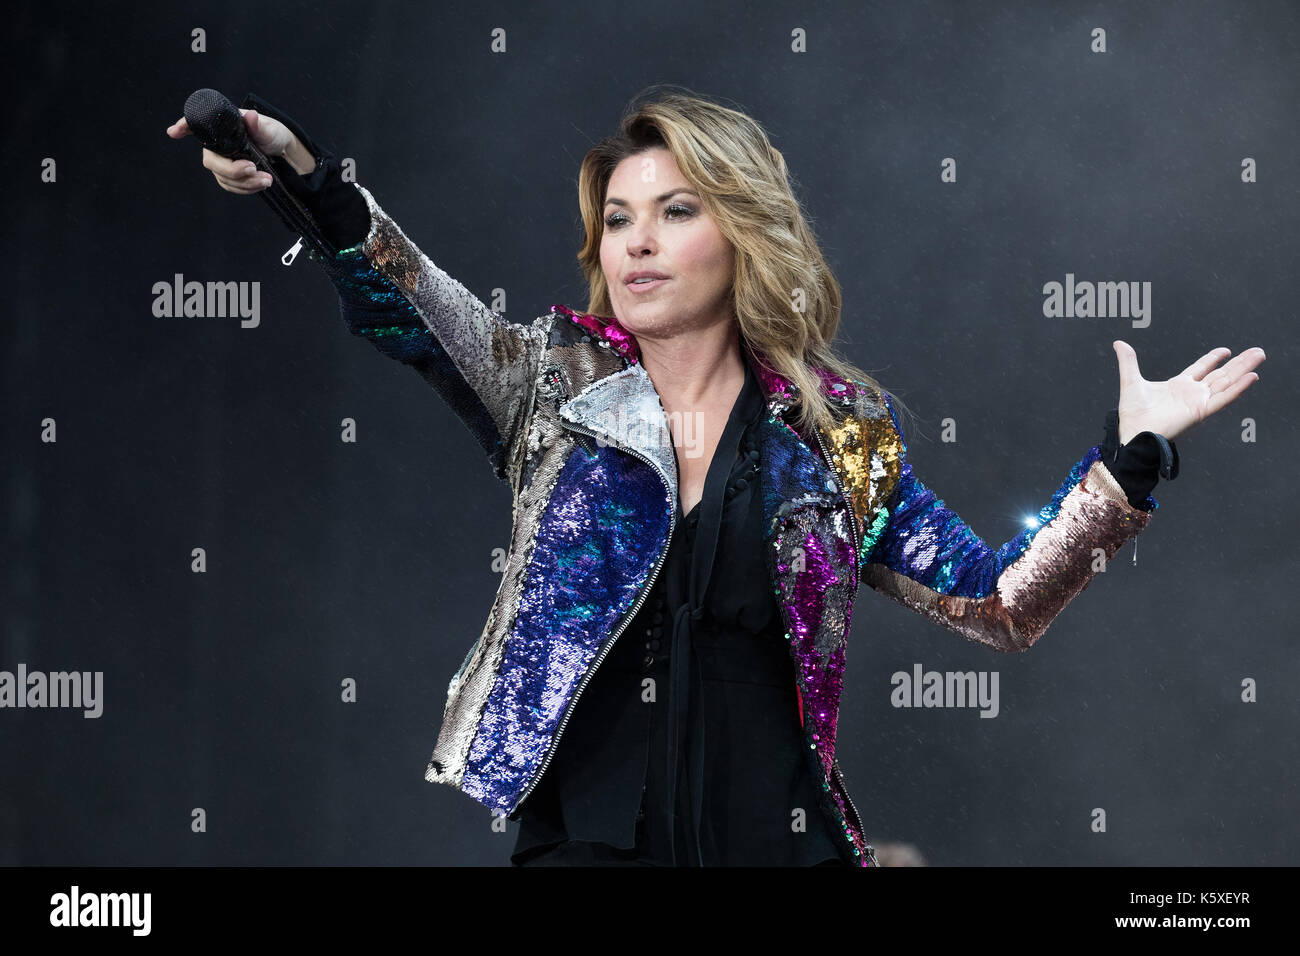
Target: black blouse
<point>697,696</point>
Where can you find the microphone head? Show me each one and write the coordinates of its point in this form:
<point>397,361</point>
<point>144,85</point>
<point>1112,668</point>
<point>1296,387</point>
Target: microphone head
<point>216,122</point>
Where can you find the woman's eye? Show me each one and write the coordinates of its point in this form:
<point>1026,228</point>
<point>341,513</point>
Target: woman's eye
<point>616,219</point>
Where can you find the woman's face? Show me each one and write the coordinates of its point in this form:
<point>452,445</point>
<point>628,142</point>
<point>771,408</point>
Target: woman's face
<point>655,222</point>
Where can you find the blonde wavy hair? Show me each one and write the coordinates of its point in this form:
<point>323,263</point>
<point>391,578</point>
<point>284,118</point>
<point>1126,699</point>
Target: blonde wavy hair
<point>744,185</point>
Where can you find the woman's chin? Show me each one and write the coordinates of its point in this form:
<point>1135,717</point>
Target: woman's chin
<point>642,317</point>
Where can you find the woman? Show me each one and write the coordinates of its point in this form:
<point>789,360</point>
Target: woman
<point>700,486</point>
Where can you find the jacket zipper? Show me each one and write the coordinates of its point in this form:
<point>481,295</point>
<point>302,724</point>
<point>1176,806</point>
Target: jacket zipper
<point>857,818</point>
<point>292,252</point>
<point>623,625</point>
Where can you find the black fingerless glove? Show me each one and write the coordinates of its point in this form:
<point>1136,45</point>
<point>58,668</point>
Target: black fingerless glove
<point>337,206</point>
<point>1139,464</point>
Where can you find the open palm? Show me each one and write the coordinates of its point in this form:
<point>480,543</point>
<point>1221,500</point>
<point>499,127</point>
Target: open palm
<point>1171,407</point>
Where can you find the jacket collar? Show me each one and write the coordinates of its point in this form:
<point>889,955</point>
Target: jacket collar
<point>779,393</point>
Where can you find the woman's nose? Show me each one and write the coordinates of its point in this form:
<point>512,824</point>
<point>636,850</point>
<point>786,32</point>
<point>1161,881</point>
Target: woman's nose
<point>641,239</point>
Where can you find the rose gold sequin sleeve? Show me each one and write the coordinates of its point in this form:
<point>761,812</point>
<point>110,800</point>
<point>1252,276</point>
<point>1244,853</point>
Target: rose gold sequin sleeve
<point>923,555</point>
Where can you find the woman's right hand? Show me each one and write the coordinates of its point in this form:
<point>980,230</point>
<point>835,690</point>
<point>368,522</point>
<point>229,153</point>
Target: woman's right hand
<point>241,176</point>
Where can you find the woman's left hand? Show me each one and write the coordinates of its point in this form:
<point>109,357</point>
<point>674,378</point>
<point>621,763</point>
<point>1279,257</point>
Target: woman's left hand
<point>1171,407</point>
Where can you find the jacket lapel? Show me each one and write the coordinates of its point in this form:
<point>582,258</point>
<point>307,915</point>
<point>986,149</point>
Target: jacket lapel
<point>623,410</point>
<point>808,538</point>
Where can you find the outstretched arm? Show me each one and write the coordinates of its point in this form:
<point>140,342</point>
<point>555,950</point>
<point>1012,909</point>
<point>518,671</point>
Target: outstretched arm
<point>927,558</point>
<point>392,294</point>
<point>930,560</point>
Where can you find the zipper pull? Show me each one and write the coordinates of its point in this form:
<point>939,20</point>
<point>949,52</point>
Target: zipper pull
<point>292,253</point>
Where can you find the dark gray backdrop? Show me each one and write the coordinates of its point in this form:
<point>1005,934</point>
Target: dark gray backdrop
<point>373,560</point>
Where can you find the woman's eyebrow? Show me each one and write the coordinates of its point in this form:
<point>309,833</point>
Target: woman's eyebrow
<point>668,195</point>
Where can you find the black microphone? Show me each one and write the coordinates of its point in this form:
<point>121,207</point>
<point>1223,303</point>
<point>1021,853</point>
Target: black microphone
<point>219,126</point>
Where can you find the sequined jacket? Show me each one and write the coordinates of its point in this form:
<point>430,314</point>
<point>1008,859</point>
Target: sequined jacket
<point>570,420</point>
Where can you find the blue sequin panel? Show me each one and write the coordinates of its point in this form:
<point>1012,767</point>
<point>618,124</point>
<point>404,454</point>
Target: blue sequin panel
<point>604,528</point>
<point>928,542</point>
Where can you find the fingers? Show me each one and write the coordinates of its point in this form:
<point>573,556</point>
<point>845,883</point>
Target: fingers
<point>1244,362</point>
<point>1234,378</point>
<point>1223,378</point>
<point>1128,363</point>
<point>235,175</point>
<point>1229,394</point>
<point>239,176</point>
<point>1198,369</point>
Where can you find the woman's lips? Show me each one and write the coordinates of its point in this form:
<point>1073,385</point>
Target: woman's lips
<point>639,287</point>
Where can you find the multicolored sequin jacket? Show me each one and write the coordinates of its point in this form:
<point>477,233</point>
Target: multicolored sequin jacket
<point>570,419</point>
